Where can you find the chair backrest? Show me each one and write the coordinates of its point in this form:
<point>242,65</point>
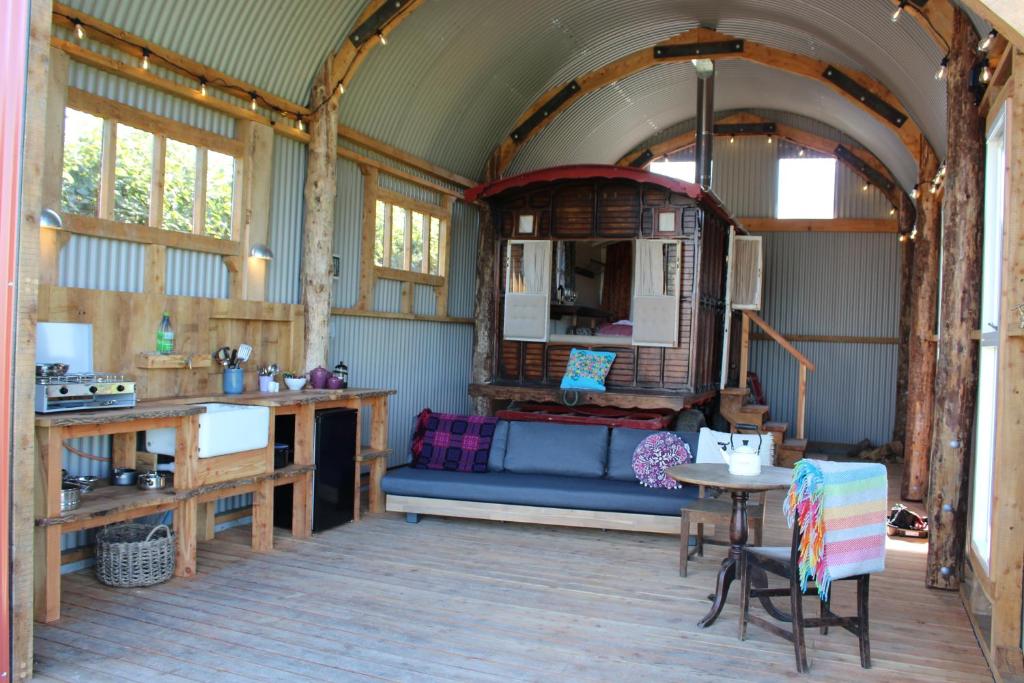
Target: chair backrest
<point>709,450</point>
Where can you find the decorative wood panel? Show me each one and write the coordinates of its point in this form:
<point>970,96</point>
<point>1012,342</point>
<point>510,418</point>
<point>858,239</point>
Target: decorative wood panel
<point>618,209</point>
<point>573,211</point>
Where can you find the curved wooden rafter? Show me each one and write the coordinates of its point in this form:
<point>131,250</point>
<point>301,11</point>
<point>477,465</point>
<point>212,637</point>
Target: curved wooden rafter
<point>867,88</point>
<point>799,137</point>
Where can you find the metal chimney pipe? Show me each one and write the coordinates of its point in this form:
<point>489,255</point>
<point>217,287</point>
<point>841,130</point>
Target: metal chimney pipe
<point>705,120</point>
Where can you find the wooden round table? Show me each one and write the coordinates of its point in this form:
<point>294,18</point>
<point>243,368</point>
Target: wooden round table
<point>717,476</point>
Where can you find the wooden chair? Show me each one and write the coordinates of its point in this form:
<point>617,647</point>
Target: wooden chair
<point>716,511</point>
<point>784,562</point>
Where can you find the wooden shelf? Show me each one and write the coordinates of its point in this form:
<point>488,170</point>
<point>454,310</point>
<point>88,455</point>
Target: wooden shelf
<point>368,453</point>
<point>113,502</point>
<point>290,473</point>
<point>150,360</point>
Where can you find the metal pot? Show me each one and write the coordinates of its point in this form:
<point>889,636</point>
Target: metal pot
<point>123,476</point>
<point>149,481</point>
<point>86,483</point>
<point>70,497</point>
<point>51,369</point>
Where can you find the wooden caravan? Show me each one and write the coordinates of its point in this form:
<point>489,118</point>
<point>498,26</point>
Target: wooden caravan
<point>607,258</point>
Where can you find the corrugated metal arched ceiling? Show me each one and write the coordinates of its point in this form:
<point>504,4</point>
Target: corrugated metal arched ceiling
<point>456,73</point>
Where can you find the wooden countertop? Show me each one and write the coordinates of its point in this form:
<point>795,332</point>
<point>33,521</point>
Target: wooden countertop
<point>142,411</point>
<point>180,406</point>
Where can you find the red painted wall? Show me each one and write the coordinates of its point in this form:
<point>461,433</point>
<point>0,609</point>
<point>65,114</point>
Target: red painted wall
<point>14,15</point>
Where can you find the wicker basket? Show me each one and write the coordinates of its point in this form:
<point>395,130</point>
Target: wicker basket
<point>132,555</point>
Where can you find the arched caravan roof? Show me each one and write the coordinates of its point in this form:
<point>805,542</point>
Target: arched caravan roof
<point>456,74</point>
<point>591,171</point>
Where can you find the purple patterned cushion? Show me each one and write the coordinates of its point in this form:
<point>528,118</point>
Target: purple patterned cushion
<point>655,454</point>
<point>458,443</point>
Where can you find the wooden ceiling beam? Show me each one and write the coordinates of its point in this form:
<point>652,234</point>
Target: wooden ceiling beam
<point>907,130</point>
<point>349,57</point>
<point>1007,16</point>
<point>799,137</point>
<point>762,225</point>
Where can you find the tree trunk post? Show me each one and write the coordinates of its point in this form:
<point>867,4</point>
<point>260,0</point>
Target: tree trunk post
<point>483,312</point>
<point>924,285</point>
<point>905,220</point>
<point>956,377</point>
<point>319,221</point>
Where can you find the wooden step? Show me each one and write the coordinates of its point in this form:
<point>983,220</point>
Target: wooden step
<point>779,428</point>
<point>790,451</point>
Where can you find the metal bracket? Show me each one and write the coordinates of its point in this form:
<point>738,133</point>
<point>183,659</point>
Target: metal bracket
<point>642,159</point>
<point>721,47</point>
<point>548,108</point>
<point>868,98</point>
<point>871,174</point>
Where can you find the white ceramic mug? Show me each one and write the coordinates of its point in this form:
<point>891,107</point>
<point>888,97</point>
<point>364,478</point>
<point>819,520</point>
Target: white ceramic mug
<point>273,386</point>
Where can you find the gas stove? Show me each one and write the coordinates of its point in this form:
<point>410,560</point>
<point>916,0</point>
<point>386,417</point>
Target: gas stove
<point>84,392</point>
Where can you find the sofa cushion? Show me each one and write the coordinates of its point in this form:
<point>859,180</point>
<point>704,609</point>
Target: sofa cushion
<point>496,458</point>
<point>446,441</point>
<point>622,444</point>
<point>541,490</point>
<point>560,449</point>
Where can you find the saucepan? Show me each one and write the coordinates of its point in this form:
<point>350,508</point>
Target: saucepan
<point>51,369</point>
<point>123,476</point>
<point>70,496</point>
<point>149,481</point>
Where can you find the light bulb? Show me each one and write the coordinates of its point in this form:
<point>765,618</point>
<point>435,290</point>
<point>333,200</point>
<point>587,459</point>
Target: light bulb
<point>865,187</point>
<point>79,30</point>
<point>380,36</point>
<point>732,139</point>
<point>986,74</point>
<point>913,234</point>
<point>252,102</point>
<point>341,88</point>
<point>801,152</point>
<point>941,73</point>
<point>913,193</point>
<point>903,238</point>
<point>934,188</point>
<point>769,139</point>
<point>302,126</point>
<point>899,11</point>
<point>986,42</point>
<point>145,59</point>
<point>892,211</point>
<point>202,87</point>
<point>942,171</point>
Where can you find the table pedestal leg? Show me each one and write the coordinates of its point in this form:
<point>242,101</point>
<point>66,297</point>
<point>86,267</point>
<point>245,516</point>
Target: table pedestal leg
<point>730,565</point>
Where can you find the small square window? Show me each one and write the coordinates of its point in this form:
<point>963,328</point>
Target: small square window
<point>807,188</point>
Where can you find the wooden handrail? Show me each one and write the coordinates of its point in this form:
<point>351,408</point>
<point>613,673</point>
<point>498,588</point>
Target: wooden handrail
<point>782,341</point>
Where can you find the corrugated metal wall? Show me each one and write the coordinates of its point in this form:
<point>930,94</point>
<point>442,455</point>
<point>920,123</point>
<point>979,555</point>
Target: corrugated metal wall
<point>287,205</point>
<point>428,363</point>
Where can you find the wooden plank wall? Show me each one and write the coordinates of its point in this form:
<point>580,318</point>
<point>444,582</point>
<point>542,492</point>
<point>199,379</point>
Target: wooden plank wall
<point>125,323</point>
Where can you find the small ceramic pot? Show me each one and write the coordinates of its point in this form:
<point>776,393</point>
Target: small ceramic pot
<point>265,381</point>
<point>318,377</point>
<point>335,383</point>
<point>234,381</point>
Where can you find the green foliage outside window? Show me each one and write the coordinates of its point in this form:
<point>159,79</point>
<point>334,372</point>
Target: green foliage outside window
<point>179,186</point>
<point>220,175</point>
<point>133,169</point>
<point>83,140</point>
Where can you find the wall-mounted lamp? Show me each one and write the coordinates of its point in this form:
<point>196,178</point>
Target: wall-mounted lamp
<point>261,251</point>
<point>49,218</point>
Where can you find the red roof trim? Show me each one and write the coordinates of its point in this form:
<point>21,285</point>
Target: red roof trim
<point>589,171</point>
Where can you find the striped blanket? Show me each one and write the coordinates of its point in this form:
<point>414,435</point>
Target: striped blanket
<point>840,508</point>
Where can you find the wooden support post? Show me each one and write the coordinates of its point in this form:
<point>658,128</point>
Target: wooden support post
<point>321,189</point>
<point>367,274</point>
<point>206,514</point>
<point>123,451</point>
<point>52,241</point>
<point>108,154</point>
<point>905,219</point>
<point>254,176</point>
<point>155,280</point>
<point>801,400</point>
<point>263,516</point>
<point>956,376</point>
<point>745,351</point>
<point>921,352</point>
<point>185,523</point>
<point>484,310</point>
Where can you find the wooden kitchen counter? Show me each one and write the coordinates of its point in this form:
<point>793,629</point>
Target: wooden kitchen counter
<point>142,411</point>
<point>276,398</point>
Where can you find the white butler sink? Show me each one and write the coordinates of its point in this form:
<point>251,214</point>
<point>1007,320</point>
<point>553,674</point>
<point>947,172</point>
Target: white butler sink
<point>224,428</point>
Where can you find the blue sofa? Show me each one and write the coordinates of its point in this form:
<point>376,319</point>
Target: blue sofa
<point>547,473</point>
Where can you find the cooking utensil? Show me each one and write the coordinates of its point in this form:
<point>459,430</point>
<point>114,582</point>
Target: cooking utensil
<point>86,483</point>
<point>123,476</point>
<point>150,481</point>
<point>70,496</point>
<point>222,355</point>
<point>234,359</point>
<point>244,351</point>
<point>51,369</point>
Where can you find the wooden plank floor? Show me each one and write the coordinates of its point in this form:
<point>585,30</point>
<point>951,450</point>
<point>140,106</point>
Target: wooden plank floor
<point>457,600</point>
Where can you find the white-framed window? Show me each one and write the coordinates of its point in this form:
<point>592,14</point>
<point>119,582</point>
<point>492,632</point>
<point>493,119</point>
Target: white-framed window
<point>656,292</point>
<point>527,290</point>
<point>680,170</point>
<point>988,357</point>
<point>407,238</point>
<point>806,188</point>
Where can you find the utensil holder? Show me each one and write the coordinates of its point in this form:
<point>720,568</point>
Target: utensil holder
<point>234,381</point>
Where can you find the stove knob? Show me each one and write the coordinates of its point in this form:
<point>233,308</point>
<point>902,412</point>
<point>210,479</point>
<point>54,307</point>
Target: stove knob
<point>120,387</point>
<point>93,389</point>
<point>63,390</point>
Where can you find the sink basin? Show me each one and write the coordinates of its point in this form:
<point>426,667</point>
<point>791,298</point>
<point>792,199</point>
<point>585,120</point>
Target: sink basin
<point>224,428</point>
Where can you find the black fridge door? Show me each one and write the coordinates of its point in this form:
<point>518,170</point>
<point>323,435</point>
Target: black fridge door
<point>335,457</point>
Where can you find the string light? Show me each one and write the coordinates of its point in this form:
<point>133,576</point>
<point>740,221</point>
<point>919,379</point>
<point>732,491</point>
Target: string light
<point>913,233</point>
<point>942,171</point>
<point>769,139</point>
<point>79,30</point>
<point>252,101</point>
<point>986,42</point>
<point>145,59</point>
<point>913,193</point>
<point>302,126</point>
<point>985,75</point>
<point>903,238</point>
<point>865,187</point>
<point>801,152</point>
<point>380,36</point>
<point>892,211</point>
<point>202,87</point>
<point>899,11</point>
<point>732,139</point>
<point>941,73</point>
<point>341,88</point>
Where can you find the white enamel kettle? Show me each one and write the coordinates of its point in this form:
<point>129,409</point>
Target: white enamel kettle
<point>744,460</point>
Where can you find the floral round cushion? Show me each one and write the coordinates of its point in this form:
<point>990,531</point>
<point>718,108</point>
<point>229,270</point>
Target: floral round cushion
<point>655,454</point>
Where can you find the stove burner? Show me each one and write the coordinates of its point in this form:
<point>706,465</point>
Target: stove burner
<point>90,378</point>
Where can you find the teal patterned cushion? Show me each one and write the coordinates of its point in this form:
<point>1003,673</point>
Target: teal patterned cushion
<point>587,369</point>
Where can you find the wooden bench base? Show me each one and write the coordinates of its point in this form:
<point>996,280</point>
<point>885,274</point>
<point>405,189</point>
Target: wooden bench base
<point>591,519</point>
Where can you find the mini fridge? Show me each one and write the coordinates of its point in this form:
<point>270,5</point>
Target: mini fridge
<point>334,452</point>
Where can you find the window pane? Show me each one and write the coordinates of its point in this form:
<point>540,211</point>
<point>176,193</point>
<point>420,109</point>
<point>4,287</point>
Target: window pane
<point>680,170</point>
<point>378,233</point>
<point>179,186</point>
<point>220,179</point>
<point>133,169</point>
<point>418,224</point>
<point>399,224</point>
<point>807,188</point>
<point>83,139</point>
<point>435,249</point>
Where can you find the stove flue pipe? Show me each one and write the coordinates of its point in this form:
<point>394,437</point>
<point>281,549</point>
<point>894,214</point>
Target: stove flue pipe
<point>705,120</point>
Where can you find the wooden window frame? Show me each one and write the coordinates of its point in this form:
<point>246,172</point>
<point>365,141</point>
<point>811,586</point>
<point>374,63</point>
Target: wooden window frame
<point>163,129</point>
<point>371,272</point>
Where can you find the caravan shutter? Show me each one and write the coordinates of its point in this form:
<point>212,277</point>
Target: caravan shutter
<point>527,290</point>
<point>656,293</point>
